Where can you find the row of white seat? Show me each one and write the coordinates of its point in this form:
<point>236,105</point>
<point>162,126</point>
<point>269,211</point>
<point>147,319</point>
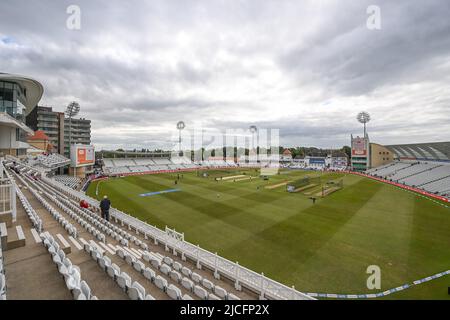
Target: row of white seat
<point>86,225</point>
<point>36,221</point>
<point>160,282</point>
<point>70,273</point>
<point>202,293</point>
<point>2,277</point>
<point>56,215</point>
<point>105,226</point>
<point>192,281</point>
<point>134,290</point>
<point>71,182</point>
<point>193,285</point>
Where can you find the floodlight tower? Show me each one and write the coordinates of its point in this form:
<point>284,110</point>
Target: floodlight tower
<point>71,111</point>
<point>363,117</point>
<point>253,130</point>
<point>180,126</point>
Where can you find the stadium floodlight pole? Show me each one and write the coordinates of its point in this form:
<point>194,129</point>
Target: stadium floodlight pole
<point>363,117</point>
<point>180,126</point>
<point>71,111</point>
<point>253,130</point>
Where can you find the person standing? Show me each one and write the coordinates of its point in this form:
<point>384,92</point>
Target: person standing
<point>105,204</point>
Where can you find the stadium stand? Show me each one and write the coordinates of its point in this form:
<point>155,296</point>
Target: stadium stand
<point>433,177</point>
<point>71,182</point>
<point>146,165</point>
<point>48,162</point>
<point>115,259</point>
<point>388,170</point>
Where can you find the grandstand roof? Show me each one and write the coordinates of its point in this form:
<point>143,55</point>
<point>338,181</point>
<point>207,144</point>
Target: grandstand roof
<point>437,151</point>
<point>33,90</point>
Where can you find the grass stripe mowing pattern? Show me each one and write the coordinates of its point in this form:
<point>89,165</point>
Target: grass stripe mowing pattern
<point>324,247</point>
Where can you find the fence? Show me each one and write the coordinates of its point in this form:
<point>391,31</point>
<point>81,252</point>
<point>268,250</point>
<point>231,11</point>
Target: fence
<point>7,198</point>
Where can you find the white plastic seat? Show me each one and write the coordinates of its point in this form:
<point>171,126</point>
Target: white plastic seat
<point>208,284</point>
<point>85,289</point>
<point>136,291</point>
<point>187,297</point>
<point>168,260</point>
<point>149,274</point>
<point>146,257</point>
<point>213,297</point>
<point>187,283</point>
<point>165,269</point>
<point>107,261</point>
<point>120,253</point>
<point>233,297</point>
<point>155,263</point>
<point>149,297</point>
<point>220,292</point>
<point>124,280</point>
<point>186,271</point>
<point>161,283</point>
<point>139,266</point>
<point>175,275</point>
<point>113,271</point>
<point>101,262</point>
<point>196,277</point>
<point>173,292</point>
<point>130,259</point>
<point>73,281</point>
<point>200,292</point>
<point>177,266</point>
<point>81,297</point>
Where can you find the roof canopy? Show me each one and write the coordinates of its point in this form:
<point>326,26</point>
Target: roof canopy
<point>32,88</point>
<point>423,151</point>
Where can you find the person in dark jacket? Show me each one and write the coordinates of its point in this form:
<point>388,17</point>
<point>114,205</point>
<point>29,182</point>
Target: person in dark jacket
<point>105,204</point>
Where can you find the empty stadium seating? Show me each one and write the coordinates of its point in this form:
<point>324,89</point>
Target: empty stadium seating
<point>48,162</point>
<point>122,166</point>
<point>2,277</point>
<point>433,177</point>
<point>72,182</point>
<point>133,262</point>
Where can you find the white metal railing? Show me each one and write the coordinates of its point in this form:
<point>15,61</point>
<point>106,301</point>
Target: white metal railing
<point>7,198</point>
<point>241,275</point>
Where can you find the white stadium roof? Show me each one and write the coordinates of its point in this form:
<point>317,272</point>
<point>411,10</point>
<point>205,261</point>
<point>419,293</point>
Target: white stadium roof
<point>34,90</point>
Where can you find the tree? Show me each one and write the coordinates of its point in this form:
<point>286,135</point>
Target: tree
<point>347,150</point>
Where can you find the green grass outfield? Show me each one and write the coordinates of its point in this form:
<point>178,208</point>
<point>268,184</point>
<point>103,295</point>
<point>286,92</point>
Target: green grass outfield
<point>324,247</point>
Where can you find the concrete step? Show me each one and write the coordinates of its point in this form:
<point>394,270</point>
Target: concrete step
<point>16,238</point>
<point>6,218</point>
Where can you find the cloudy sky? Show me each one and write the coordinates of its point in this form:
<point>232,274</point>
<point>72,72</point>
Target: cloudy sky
<point>306,67</point>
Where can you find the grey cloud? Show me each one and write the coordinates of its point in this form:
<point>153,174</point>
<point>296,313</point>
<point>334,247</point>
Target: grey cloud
<point>349,59</point>
<point>129,67</point>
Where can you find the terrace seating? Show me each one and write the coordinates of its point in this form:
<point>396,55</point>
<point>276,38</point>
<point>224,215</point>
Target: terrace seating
<point>51,161</point>
<point>441,186</point>
<point>36,221</point>
<point>56,215</point>
<point>430,173</point>
<point>69,272</point>
<point>118,166</point>
<point>68,204</point>
<point>71,182</point>
<point>2,277</point>
<point>389,170</point>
